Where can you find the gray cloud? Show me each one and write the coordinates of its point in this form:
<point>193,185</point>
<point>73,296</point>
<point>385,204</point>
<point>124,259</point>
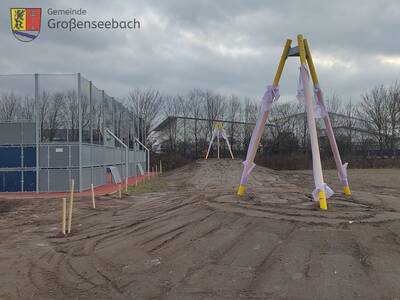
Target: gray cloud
<point>229,46</point>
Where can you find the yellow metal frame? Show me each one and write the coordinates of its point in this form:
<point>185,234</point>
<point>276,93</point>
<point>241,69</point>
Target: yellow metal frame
<point>314,76</point>
<point>242,188</point>
<point>305,59</point>
<point>310,63</point>
<point>284,55</point>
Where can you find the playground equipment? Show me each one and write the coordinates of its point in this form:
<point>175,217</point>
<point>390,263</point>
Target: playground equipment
<point>217,133</point>
<point>314,109</point>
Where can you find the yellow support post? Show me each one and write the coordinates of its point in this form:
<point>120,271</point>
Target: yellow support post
<point>252,152</point>
<point>302,51</point>
<point>314,76</point>
<point>282,62</point>
<point>310,63</point>
<point>313,131</point>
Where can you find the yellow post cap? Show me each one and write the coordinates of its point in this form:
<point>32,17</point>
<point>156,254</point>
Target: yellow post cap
<point>346,190</point>
<point>323,205</point>
<point>241,190</point>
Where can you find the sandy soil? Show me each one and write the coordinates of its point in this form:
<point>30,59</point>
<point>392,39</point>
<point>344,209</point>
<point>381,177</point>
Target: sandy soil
<point>192,238</point>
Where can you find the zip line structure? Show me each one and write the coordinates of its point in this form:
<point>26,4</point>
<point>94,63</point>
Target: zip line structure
<point>218,132</point>
<point>315,107</point>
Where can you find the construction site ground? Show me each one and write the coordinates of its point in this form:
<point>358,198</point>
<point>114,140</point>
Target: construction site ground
<point>186,235</point>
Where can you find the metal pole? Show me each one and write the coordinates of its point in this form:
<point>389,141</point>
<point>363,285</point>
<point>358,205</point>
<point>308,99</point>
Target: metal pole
<point>317,167</point>
<point>91,131</point>
<point>103,133</point>
<point>80,131</point>
<point>342,169</point>
<point>137,117</point>
<point>37,129</point>
<point>126,153</point>
<point>148,160</point>
<point>148,154</point>
<point>126,168</point>
<point>260,123</point>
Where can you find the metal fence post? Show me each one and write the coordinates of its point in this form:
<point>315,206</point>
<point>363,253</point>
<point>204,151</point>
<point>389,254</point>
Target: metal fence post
<point>37,128</point>
<point>91,130</point>
<point>80,130</point>
<point>148,160</point>
<point>103,131</point>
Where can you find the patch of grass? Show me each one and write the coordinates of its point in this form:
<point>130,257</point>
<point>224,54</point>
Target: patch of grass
<point>155,184</point>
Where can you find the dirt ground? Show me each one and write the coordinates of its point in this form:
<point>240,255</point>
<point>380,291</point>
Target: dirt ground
<point>187,236</point>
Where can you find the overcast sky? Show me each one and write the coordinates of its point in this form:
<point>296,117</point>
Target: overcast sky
<point>228,46</point>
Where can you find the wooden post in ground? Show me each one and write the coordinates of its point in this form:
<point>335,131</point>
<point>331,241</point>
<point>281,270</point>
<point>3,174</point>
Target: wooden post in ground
<point>72,189</point>
<point>93,199</point>
<point>119,191</point>
<point>160,167</point>
<point>156,170</point>
<point>64,216</point>
<point>218,145</point>
<point>71,203</point>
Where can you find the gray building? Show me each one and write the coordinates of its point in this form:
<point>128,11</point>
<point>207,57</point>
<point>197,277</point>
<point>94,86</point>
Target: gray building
<point>55,128</point>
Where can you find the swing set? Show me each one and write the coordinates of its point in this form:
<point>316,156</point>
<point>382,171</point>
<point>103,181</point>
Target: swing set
<point>218,132</point>
<point>314,108</point>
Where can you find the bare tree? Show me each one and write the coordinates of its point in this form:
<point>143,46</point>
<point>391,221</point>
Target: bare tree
<point>172,108</point>
<point>373,110</point>
<point>71,114</point>
<point>333,105</point>
<point>234,112</point>
<point>184,103</point>
<point>392,106</point>
<point>54,114</point>
<point>28,108</point>
<point>196,100</point>
<point>146,105</point>
<point>9,106</point>
<point>350,111</point>
<point>214,107</point>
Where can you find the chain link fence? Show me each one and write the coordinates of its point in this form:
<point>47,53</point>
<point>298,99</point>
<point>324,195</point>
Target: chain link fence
<point>53,128</point>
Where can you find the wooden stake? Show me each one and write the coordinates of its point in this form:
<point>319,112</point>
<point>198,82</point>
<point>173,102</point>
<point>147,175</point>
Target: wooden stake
<point>93,200</point>
<point>218,144</point>
<point>160,167</point>
<point>64,215</point>
<point>72,188</point>
<point>71,203</point>
<point>156,170</point>
<point>119,191</point>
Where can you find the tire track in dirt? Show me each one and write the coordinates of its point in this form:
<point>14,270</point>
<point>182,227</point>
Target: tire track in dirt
<point>198,240</point>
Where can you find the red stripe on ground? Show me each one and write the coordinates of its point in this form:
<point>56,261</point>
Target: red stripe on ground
<point>98,191</point>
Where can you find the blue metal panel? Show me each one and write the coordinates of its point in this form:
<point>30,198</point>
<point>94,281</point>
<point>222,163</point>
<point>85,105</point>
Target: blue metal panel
<point>10,157</point>
<point>2,181</point>
<point>30,181</point>
<point>29,157</point>
<point>10,181</point>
